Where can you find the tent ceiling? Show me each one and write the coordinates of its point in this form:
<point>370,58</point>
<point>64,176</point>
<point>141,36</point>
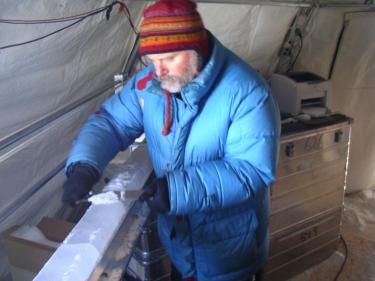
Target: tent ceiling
<point>299,3</point>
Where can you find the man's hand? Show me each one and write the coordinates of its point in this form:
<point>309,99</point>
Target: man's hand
<point>156,194</point>
<point>81,178</point>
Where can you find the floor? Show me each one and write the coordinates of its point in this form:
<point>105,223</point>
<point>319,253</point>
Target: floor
<point>358,231</point>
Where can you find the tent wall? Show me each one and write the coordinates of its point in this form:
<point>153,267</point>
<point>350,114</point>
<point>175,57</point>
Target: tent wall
<point>37,157</point>
<point>353,88</point>
<point>50,75</point>
<point>352,81</point>
<point>319,41</point>
<point>250,31</point>
<point>39,83</point>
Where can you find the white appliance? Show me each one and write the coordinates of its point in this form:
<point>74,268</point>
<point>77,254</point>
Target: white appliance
<point>301,92</point>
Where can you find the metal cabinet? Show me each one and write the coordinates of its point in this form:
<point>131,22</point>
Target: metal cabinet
<point>149,261</point>
<point>307,198</point>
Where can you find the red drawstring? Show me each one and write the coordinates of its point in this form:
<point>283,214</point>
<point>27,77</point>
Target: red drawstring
<point>179,218</point>
<point>167,119</point>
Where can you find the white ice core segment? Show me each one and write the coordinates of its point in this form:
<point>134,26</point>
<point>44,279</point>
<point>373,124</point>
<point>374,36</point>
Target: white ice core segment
<point>83,249</point>
<point>70,262</point>
<point>77,257</point>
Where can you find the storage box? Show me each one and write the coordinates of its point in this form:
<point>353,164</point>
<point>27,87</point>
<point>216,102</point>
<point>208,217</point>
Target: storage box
<point>27,257</point>
<point>149,260</point>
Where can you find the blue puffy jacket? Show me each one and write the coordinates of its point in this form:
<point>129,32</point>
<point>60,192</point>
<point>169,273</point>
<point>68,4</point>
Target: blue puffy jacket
<point>219,159</point>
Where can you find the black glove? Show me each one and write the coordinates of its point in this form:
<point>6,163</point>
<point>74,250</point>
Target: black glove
<point>156,194</point>
<point>81,178</point>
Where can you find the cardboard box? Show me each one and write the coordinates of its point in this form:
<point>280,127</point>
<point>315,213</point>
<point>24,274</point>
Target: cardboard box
<point>28,257</point>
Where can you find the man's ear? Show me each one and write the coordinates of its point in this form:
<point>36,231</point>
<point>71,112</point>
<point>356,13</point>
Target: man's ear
<point>200,62</point>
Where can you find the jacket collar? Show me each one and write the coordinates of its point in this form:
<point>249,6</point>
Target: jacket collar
<point>200,86</point>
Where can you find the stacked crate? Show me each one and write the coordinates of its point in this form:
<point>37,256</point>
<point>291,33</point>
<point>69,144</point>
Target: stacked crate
<point>307,198</point>
<point>149,261</point>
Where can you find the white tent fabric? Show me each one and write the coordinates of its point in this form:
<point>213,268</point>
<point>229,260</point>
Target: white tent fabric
<point>353,88</point>
<point>39,155</point>
<point>250,31</point>
<point>50,75</point>
<point>352,81</point>
<point>319,41</point>
<point>53,73</point>
<point>47,76</point>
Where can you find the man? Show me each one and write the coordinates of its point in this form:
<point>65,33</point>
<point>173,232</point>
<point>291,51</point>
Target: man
<point>212,132</point>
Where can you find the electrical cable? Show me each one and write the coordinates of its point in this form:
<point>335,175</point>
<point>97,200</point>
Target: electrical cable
<point>291,64</point>
<point>309,24</point>
<point>63,19</point>
<point>310,14</point>
<point>55,20</point>
<point>40,38</point>
<point>337,47</point>
<point>58,30</point>
<point>345,259</point>
<point>298,53</point>
<point>128,15</point>
<point>80,18</point>
<point>285,63</point>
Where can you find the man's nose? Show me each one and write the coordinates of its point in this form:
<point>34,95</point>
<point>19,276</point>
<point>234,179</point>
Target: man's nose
<point>160,69</point>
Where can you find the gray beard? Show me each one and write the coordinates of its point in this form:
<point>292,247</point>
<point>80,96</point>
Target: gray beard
<point>174,84</point>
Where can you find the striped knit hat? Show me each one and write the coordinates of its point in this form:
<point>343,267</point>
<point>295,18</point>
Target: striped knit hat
<point>173,25</point>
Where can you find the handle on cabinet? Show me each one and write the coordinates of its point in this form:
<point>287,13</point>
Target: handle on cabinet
<point>338,136</point>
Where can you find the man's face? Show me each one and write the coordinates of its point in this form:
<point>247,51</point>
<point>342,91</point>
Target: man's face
<point>174,70</point>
